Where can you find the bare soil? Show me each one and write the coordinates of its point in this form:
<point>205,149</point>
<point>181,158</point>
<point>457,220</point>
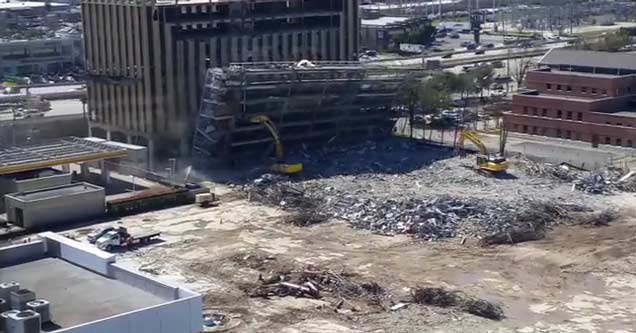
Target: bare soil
<point>578,279</point>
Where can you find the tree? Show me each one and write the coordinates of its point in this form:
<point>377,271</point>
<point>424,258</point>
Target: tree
<point>484,77</point>
<point>424,99</point>
<point>520,69</point>
<point>409,95</point>
<point>423,35</point>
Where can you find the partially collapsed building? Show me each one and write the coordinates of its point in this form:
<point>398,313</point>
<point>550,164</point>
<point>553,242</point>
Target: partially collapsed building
<point>147,60</point>
<point>308,101</point>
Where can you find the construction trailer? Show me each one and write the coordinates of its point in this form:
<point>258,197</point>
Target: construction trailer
<point>307,101</point>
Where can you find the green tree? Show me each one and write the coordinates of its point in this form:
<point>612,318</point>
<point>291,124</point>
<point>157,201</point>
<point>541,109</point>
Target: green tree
<point>484,77</point>
<point>424,35</point>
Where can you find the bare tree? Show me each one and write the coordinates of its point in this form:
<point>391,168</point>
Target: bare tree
<point>520,69</point>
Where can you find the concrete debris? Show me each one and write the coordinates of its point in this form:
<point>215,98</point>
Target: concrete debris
<point>593,182</point>
<point>455,299</point>
<point>430,218</point>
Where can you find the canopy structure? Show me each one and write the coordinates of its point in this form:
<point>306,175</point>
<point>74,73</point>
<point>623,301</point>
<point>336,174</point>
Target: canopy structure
<point>20,158</point>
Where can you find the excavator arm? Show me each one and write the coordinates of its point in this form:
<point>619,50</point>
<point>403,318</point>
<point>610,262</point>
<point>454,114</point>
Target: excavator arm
<point>473,137</point>
<point>280,165</point>
<point>265,121</point>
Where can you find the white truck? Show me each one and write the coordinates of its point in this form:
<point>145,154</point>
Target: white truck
<point>120,238</point>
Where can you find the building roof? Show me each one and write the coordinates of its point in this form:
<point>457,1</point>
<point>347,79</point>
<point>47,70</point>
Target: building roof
<point>16,5</point>
<point>384,21</point>
<point>88,291</point>
<point>626,61</point>
<point>77,295</point>
<point>53,192</point>
<point>57,152</point>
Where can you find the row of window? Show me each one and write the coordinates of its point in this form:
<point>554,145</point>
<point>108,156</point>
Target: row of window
<point>559,114</point>
<point>583,90</point>
<point>567,134</point>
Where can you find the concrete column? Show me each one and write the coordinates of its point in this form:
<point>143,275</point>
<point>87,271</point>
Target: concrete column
<point>234,49</point>
<point>108,134</point>
<point>275,42</point>
<point>315,44</point>
<point>266,47</point>
<point>84,170</point>
<point>214,61</point>
<point>323,44</point>
<point>285,54</point>
<point>294,46</point>
<point>151,154</point>
<point>105,173</point>
<point>128,139</point>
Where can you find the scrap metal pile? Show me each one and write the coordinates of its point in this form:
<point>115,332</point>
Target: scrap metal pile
<point>606,181</point>
<point>313,282</point>
<point>430,218</point>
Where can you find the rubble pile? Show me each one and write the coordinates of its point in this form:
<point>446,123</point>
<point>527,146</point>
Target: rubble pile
<point>593,182</point>
<point>607,181</point>
<point>455,299</point>
<point>312,282</point>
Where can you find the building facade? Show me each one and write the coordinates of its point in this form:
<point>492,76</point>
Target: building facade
<point>579,95</point>
<point>146,60</point>
<point>53,55</point>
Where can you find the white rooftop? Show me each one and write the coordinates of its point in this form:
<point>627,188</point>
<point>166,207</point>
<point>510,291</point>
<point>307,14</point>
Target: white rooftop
<point>14,5</point>
<point>383,21</point>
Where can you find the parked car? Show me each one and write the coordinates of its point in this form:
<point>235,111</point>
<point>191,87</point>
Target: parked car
<point>454,35</point>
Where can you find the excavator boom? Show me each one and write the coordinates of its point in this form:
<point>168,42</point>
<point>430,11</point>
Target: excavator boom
<point>280,165</point>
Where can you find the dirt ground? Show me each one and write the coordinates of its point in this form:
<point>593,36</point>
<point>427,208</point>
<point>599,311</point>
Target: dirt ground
<point>578,279</point>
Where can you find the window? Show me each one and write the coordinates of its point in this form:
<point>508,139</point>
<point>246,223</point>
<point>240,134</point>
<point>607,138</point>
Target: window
<point>619,124</point>
<point>584,90</point>
<point>608,123</point>
<point>607,140</point>
<point>558,133</point>
<point>629,89</point>
<point>630,143</point>
<point>604,92</point>
<point>619,142</point>
<point>544,131</point>
<point>558,87</point>
<point>559,114</point>
<point>534,111</point>
<point>568,115</point>
<point>593,91</point>
<point>515,127</point>
<point>549,86</point>
<point>579,116</point>
<point>569,88</point>
<point>568,134</point>
<point>525,110</point>
<point>525,128</point>
<point>544,112</point>
<point>535,130</point>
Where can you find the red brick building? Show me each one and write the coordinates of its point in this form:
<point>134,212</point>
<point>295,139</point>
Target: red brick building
<point>579,95</point>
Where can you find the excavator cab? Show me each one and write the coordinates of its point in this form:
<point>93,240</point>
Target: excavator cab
<point>280,166</point>
<point>491,163</point>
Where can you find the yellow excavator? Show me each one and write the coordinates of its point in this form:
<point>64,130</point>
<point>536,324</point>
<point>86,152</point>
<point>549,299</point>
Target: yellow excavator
<point>491,163</point>
<point>280,165</point>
